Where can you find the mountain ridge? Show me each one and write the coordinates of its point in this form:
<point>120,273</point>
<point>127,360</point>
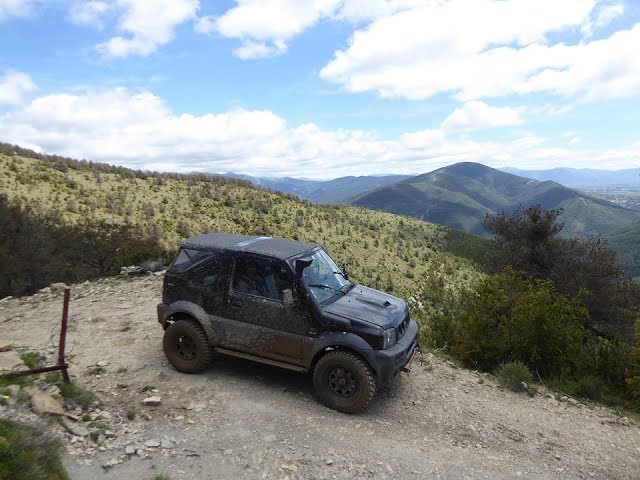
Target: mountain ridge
<point>460,195</point>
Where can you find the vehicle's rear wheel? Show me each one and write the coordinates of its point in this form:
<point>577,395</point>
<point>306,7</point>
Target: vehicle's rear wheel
<point>186,347</point>
<point>344,381</point>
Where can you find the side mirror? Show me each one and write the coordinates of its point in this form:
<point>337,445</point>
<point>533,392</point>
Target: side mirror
<point>287,297</point>
<point>301,265</point>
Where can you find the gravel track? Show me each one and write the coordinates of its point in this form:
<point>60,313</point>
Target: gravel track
<point>242,420</point>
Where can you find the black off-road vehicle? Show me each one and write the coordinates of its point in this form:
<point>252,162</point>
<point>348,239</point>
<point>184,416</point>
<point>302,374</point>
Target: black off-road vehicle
<point>283,303</point>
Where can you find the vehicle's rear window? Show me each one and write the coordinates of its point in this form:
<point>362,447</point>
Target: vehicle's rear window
<point>187,257</point>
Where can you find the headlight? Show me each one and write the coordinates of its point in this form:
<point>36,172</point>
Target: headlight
<point>389,338</point>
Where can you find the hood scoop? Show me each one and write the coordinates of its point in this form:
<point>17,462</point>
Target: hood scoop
<point>374,302</point>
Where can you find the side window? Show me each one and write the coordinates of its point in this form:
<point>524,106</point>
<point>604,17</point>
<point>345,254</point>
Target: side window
<point>209,275</point>
<point>187,257</point>
<point>261,278</point>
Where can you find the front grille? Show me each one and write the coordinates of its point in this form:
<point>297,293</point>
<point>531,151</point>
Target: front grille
<point>400,329</point>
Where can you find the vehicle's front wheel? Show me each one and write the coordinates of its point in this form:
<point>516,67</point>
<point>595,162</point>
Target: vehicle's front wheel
<point>186,347</point>
<point>344,381</point>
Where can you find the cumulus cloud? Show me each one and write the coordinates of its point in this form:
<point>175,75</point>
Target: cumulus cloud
<point>139,130</point>
<point>265,26</point>
<point>476,115</point>
<point>14,86</point>
<point>16,8</point>
<point>495,48</point>
<point>147,25</point>
<point>89,13</point>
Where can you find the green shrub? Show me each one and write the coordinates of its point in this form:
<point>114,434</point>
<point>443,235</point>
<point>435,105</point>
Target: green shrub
<point>515,376</point>
<point>28,453</point>
<point>77,394</point>
<point>513,318</point>
<point>589,386</point>
<point>32,359</point>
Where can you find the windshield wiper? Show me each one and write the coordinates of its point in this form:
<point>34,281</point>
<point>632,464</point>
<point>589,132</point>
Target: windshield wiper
<point>344,275</point>
<point>320,285</point>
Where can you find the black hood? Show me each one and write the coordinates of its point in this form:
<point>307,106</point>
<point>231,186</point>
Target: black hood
<point>372,306</point>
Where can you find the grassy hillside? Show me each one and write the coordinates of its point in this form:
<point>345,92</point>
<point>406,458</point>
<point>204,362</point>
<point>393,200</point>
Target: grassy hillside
<point>401,255</point>
<point>460,196</point>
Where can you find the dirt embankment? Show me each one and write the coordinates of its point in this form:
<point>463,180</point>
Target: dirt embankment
<point>243,420</point>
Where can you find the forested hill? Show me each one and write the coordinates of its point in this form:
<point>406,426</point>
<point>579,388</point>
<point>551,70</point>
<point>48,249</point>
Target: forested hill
<point>461,195</point>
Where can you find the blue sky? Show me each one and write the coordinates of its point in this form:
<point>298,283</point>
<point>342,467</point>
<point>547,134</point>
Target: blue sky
<point>323,88</point>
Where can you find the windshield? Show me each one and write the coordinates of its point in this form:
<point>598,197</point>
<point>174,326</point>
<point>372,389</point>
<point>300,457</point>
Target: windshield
<point>323,277</point>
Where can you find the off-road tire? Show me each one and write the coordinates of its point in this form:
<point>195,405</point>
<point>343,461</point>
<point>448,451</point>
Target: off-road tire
<point>186,347</point>
<point>344,381</point>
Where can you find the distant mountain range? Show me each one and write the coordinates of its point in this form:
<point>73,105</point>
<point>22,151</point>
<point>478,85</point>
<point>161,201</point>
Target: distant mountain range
<point>582,177</point>
<point>338,190</point>
<point>460,195</point>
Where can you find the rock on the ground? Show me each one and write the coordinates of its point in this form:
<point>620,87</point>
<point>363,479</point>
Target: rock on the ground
<point>9,361</point>
<point>152,401</point>
<point>58,287</point>
<point>74,428</point>
<point>152,443</point>
<point>42,402</point>
<point>5,345</point>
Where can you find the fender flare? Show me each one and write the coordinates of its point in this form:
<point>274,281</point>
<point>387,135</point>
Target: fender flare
<point>194,311</point>
<point>346,340</point>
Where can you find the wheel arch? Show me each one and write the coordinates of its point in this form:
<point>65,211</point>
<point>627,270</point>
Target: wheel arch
<point>189,311</point>
<point>345,348</point>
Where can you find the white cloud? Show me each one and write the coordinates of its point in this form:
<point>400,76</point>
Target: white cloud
<point>495,48</point>
<point>476,115</point>
<point>147,25</point>
<point>14,86</point>
<point>89,13</point>
<point>265,26</point>
<point>139,130</point>
<point>362,10</point>
<point>625,157</point>
<point>250,49</point>
<point>16,8</point>
<point>205,25</point>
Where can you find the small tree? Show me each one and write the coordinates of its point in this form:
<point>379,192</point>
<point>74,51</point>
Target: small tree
<point>529,242</point>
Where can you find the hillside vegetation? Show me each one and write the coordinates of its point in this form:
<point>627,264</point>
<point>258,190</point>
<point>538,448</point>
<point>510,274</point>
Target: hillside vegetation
<point>461,195</point>
<point>403,256</point>
<point>626,242</point>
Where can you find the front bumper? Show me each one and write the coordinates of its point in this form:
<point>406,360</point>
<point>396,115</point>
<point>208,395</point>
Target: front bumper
<point>389,362</point>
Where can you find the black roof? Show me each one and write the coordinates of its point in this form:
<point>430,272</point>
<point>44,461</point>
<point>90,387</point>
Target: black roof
<point>272,247</point>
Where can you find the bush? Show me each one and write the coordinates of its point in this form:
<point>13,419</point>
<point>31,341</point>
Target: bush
<point>513,318</point>
<point>29,453</point>
<point>515,376</point>
<point>589,386</point>
<point>76,394</point>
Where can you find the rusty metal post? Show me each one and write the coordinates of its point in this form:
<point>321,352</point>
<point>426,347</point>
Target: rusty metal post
<point>63,335</point>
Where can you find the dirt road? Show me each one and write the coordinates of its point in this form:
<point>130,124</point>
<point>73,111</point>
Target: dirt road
<point>243,420</point>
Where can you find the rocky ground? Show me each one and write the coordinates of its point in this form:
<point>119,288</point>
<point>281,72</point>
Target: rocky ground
<point>243,420</point>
